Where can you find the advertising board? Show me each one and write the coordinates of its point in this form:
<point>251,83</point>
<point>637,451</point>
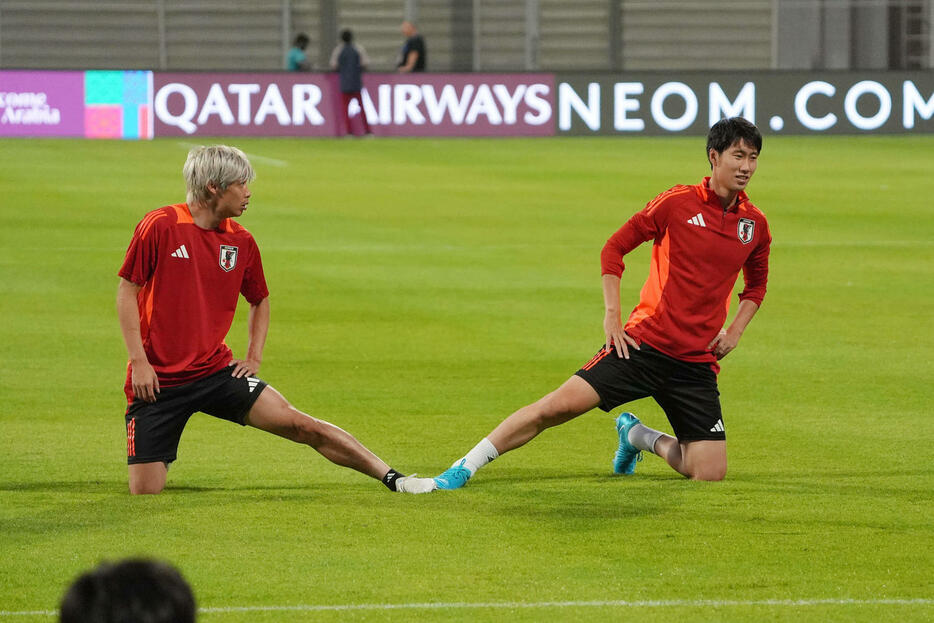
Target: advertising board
<point>395,105</point>
<point>41,103</point>
<point>778,102</point>
<point>89,104</point>
<point>143,104</point>
<point>269,104</point>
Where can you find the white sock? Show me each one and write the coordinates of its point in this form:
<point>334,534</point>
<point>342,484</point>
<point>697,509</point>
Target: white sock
<point>643,437</point>
<point>482,453</point>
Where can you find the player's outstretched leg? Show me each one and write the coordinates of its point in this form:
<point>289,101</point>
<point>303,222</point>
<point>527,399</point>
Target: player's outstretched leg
<point>272,413</point>
<point>573,398</point>
<point>627,455</point>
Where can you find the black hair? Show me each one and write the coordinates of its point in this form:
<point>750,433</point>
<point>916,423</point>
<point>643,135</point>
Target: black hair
<point>346,35</point>
<point>301,40</point>
<point>131,591</point>
<point>725,132</point>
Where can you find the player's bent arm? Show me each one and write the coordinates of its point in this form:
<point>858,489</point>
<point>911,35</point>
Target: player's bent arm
<point>144,379</point>
<point>258,328</point>
<point>728,339</point>
<point>744,313</point>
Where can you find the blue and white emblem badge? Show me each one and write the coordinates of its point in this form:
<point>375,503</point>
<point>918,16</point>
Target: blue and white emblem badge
<point>228,257</point>
<point>745,230</point>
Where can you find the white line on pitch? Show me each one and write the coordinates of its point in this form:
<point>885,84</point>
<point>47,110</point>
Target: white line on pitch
<point>253,157</point>
<point>672,603</point>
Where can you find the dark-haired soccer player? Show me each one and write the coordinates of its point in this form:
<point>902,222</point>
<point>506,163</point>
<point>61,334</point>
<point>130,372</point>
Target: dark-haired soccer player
<point>702,237</point>
<point>186,266</point>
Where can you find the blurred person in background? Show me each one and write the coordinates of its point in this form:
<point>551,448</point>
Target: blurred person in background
<point>414,55</point>
<point>131,591</point>
<point>349,60</point>
<point>297,59</point>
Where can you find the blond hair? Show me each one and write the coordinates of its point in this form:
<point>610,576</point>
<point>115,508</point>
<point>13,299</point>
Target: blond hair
<point>220,165</point>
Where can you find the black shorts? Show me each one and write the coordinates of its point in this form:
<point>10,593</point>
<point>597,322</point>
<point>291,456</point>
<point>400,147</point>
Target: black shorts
<point>686,391</point>
<point>153,429</point>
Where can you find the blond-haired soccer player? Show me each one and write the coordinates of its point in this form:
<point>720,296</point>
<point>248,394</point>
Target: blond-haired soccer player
<point>702,236</point>
<point>185,268</point>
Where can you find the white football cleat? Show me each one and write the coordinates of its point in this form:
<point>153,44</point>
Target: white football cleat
<point>415,485</point>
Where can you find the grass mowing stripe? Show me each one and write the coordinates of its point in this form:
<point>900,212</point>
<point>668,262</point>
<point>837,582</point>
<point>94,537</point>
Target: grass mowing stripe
<point>398,248</point>
<point>666,603</point>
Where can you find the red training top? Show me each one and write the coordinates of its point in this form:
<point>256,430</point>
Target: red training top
<point>191,278</point>
<point>697,253</point>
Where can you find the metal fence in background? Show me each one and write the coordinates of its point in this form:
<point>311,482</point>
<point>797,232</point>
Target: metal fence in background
<point>472,35</point>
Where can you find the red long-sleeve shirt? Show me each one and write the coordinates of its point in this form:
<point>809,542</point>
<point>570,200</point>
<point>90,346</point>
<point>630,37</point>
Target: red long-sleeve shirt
<point>698,250</point>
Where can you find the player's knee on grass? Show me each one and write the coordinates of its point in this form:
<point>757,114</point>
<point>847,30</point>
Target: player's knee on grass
<point>147,478</point>
<point>708,473</point>
<point>145,489</point>
<point>703,460</point>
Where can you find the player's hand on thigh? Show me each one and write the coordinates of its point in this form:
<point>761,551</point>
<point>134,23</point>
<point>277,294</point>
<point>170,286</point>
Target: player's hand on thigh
<point>616,337</point>
<point>145,382</point>
<point>244,367</point>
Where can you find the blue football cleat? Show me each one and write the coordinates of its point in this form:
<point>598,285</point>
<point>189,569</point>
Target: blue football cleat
<point>454,477</point>
<point>627,455</point>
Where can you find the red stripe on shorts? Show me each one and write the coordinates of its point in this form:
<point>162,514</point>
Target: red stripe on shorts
<point>597,358</point>
<point>131,438</point>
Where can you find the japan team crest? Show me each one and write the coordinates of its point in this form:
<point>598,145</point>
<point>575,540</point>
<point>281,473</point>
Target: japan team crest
<point>228,257</point>
<point>745,230</point>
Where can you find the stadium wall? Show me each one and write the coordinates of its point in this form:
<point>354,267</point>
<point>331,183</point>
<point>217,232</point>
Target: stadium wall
<point>144,104</point>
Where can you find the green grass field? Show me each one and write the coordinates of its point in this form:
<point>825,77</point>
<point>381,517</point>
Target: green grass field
<point>423,290</point>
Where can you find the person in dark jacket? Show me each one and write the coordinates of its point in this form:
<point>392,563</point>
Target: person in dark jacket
<point>349,60</point>
<point>414,55</point>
